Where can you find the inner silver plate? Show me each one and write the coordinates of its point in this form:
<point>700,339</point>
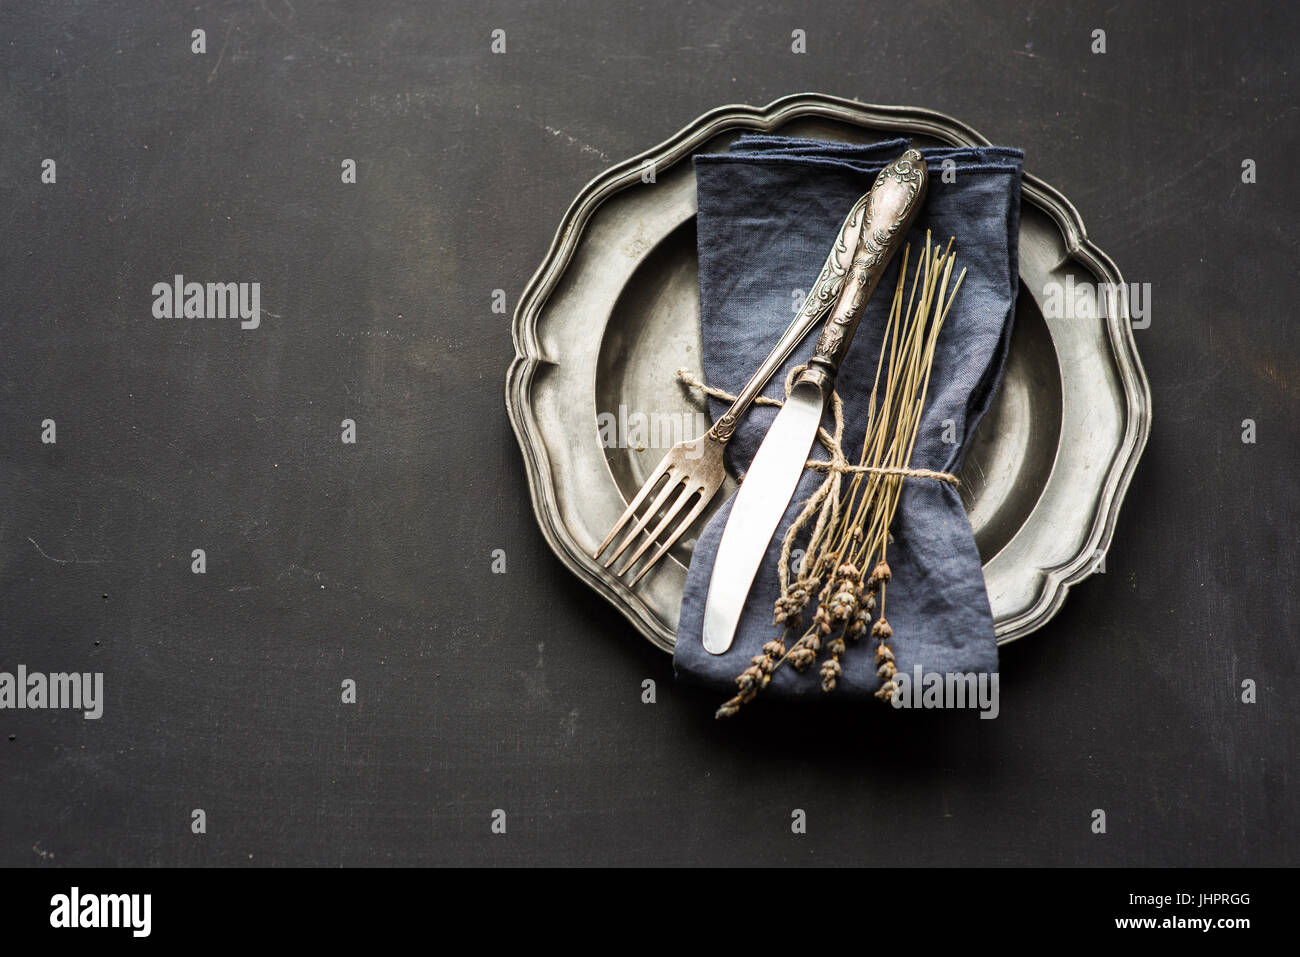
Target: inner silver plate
<point>614,311</point>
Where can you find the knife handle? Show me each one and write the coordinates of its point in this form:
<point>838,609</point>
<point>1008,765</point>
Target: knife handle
<point>892,206</point>
<point>816,306</point>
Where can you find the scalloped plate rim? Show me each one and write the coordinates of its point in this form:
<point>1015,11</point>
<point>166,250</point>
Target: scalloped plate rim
<point>1055,581</point>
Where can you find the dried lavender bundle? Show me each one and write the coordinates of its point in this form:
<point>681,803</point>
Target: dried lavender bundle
<point>853,509</point>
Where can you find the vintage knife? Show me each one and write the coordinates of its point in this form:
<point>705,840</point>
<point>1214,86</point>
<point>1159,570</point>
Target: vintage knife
<point>770,481</point>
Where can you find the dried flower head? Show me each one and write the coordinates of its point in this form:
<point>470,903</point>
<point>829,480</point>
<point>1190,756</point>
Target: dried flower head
<point>728,709</point>
<point>843,604</point>
<point>804,652</point>
<point>801,657</point>
<point>752,679</point>
<point>830,672</point>
<point>780,609</point>
<point>732,705</point>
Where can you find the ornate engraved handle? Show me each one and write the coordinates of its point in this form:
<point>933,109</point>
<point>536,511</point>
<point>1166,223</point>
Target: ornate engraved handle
<point>891,208</point>
<point>823,295</point>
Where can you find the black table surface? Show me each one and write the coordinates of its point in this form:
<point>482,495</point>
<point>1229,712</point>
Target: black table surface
<point>372,562</point>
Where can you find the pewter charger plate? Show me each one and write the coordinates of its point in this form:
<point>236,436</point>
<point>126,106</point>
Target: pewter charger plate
<point>614,309</point>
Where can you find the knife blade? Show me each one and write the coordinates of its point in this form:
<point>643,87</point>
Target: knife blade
<point>772,477</point>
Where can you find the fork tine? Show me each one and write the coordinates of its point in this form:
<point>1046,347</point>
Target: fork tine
<point>690,489</point>
<point>672,485</point>
<point>686,523</point>
<point>665,466</point>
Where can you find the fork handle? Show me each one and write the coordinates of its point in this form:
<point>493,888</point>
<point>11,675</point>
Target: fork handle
<point>824,294</point>
<point>892,206</point>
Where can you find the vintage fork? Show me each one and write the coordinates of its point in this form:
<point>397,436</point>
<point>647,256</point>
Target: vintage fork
<point>695,467</point>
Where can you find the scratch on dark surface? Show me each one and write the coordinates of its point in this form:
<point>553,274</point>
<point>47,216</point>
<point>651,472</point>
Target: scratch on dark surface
<point>74,560</point>
<point>337,54</point>
<point>534,682</point>
<point>1270,373</point>
<point>221,56</point>
<point>267,11</point>
<point>574,141</point>
<point>295,568</point>
<point>569,724</point>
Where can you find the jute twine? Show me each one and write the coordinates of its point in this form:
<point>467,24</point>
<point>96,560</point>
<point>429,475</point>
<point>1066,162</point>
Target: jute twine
<point>825,502</point>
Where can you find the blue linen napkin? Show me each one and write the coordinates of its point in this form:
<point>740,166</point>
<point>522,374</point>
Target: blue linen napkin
<point>769,211</point>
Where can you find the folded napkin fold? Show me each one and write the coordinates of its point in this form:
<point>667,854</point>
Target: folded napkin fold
<point>769,211</point>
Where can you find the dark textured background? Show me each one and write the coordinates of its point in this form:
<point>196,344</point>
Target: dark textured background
<point>372,562</point>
